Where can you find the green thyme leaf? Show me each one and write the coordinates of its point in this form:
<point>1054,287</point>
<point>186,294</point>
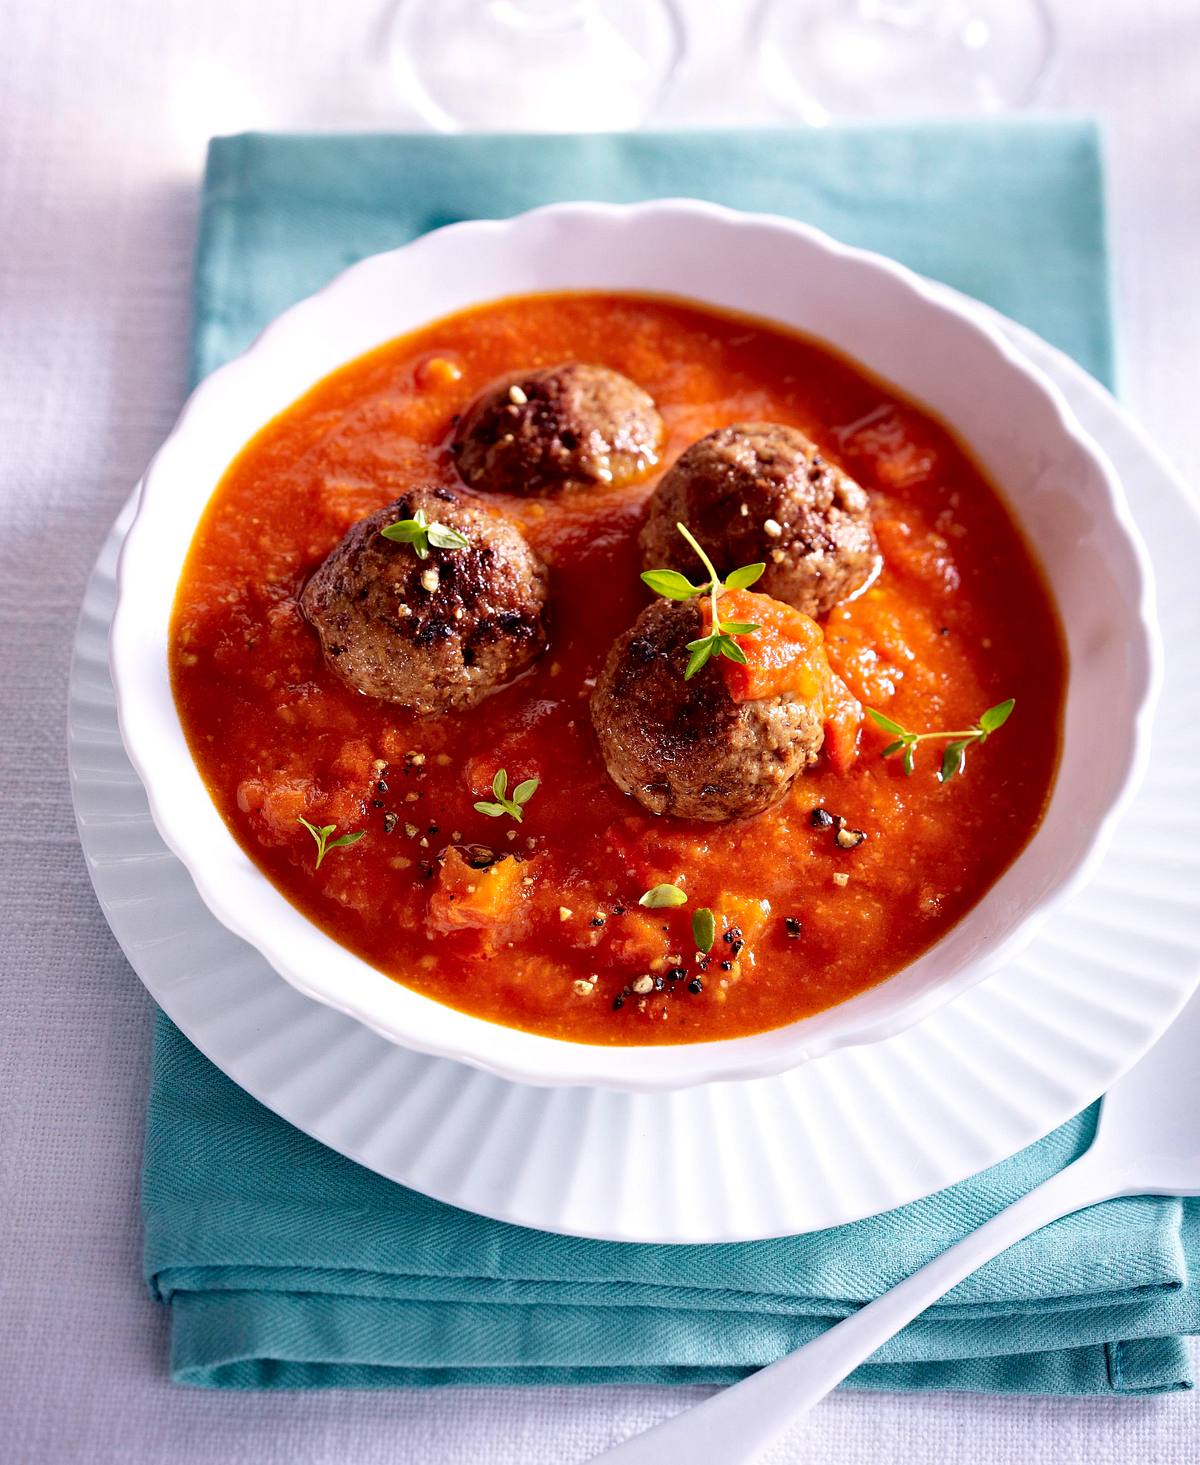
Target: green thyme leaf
<point>321,833</point>
<point>506,803</point>
<point>420,533</point>
<point>997,716</point>
<point>671,584</point>
<point>730,649</point>
<point>345,839</point>
<point>701,651</point>
<point>910,753</point>
<point>886,723</point>
<point>952,760</point>
<point>892,748</point>
<point>745,577</point>
<point>441,536</point>
<point>740,628</point>
<point>661,896</point>
<point>405,531</point>
<point>704,929</point>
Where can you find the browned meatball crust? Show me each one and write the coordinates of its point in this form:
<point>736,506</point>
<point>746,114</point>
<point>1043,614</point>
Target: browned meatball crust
<point>435,634</point>
<point>687,748</point>
<point>569,426</point>
<point>762,491</point>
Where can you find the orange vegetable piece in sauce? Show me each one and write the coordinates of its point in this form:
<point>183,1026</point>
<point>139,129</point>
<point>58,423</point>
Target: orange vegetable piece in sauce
<point>787,654</point>
<point>843,723</point>
<point>746,914</point>
<point>480,900</point>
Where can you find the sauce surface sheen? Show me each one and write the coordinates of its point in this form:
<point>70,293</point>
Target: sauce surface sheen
<point>958,619</point>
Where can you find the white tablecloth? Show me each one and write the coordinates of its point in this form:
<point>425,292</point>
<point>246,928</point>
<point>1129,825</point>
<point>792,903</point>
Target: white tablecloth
<point>104,109</point>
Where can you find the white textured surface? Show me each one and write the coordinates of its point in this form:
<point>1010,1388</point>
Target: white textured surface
<point>103,111</point>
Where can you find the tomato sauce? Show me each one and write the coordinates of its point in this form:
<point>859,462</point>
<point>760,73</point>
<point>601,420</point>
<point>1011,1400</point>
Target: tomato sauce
<point>958,619</point>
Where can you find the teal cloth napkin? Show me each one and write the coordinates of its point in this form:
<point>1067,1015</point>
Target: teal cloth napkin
<point>288,1266</point>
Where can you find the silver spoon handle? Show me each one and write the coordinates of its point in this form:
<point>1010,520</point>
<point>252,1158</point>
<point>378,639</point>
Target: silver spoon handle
<point>736,1425</point>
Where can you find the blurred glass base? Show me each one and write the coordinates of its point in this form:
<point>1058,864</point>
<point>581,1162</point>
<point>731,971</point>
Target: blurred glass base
<point>830,59</point>
<point>534,65</point>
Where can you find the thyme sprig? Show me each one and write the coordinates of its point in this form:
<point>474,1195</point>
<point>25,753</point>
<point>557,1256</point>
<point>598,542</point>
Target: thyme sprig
<point>421,534</point>
<point>321,833</point>
<point>954,755</point>
<point>507,803</point>
<point>719,641</point>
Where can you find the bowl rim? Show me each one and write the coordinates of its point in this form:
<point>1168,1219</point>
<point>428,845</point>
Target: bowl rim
<point>563,1061</point>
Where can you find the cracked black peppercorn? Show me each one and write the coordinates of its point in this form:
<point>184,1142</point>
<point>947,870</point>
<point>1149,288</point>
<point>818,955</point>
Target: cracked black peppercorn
<point>696,985</point>
<point>792,926</point>
<point>820,818</point>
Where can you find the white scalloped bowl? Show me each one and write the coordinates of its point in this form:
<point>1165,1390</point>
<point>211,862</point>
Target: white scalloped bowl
<point>1014,420</point>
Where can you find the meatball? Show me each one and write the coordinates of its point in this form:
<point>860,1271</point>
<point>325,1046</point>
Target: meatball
<point>762,491</point>
<point>570,426</point>
<point>433,634</point>
<point>686,747</point>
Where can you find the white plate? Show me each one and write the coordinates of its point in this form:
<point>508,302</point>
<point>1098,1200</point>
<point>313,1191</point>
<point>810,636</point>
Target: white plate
<point>849,1135</point>
<point>1018,426</point>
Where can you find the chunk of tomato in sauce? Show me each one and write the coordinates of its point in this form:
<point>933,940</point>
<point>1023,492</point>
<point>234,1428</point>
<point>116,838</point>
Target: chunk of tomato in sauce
<point>488,901</point>
<point>843,724</point>
<point>787,654</point>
